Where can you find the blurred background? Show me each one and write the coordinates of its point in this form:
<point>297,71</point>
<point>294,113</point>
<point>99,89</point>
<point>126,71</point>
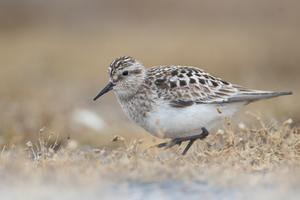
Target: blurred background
<point>54,57</point>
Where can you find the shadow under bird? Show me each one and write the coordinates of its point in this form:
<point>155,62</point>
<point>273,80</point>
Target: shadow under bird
<point>177,102</point>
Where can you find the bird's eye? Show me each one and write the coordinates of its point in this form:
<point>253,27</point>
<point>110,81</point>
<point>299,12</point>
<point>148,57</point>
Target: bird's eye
<point>125,73</point>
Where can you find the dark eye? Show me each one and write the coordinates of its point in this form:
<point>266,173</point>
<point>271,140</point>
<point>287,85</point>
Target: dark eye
<point>125,73</point>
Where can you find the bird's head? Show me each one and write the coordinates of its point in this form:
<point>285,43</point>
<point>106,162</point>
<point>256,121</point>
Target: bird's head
<point>126,75</point>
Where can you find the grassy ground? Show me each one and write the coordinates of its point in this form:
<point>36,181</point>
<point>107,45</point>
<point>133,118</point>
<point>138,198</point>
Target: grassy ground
<point>245,163</point>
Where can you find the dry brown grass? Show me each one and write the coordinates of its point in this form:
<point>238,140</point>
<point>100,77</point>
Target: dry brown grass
<point>241,151</point>
<point>233,159</point>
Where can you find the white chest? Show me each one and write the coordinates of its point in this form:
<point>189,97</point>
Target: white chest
<point>169,122</point>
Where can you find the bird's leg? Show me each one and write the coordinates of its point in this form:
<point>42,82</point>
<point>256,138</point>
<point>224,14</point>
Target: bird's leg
<point>191,139</point>
<point>188,146</point>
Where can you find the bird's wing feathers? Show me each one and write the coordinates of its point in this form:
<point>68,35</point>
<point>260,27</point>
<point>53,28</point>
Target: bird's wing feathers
<point>184,86</point>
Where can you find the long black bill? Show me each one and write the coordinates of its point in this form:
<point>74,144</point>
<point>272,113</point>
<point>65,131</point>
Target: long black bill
<point>107,88</point>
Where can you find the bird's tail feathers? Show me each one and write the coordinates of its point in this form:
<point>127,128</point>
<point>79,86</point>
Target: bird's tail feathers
<point>249,96</point>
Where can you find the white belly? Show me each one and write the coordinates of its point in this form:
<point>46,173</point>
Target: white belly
<point>169,122</point>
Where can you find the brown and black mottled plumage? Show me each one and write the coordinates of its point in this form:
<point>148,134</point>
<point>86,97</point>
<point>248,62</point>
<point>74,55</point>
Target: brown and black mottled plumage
<point>185,85</point>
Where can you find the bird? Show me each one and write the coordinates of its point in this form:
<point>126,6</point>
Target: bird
<point>179,103</point>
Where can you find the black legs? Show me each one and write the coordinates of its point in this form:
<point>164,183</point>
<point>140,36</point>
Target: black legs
<point>191,139</point>
<point>188,146</point>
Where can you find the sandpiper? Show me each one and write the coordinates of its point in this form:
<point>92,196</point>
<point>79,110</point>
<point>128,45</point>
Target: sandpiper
<point>177,102</point>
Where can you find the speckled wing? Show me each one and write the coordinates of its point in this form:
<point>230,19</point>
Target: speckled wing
<point>183,86</point>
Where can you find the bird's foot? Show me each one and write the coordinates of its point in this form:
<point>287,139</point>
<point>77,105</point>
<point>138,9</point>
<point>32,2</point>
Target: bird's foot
<point>170,143</point>
<point>178,141</point>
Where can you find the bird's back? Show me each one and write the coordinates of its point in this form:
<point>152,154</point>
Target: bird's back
<point>185,85</point>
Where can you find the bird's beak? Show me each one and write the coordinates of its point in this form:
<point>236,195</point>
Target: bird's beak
<point>107,88</point>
